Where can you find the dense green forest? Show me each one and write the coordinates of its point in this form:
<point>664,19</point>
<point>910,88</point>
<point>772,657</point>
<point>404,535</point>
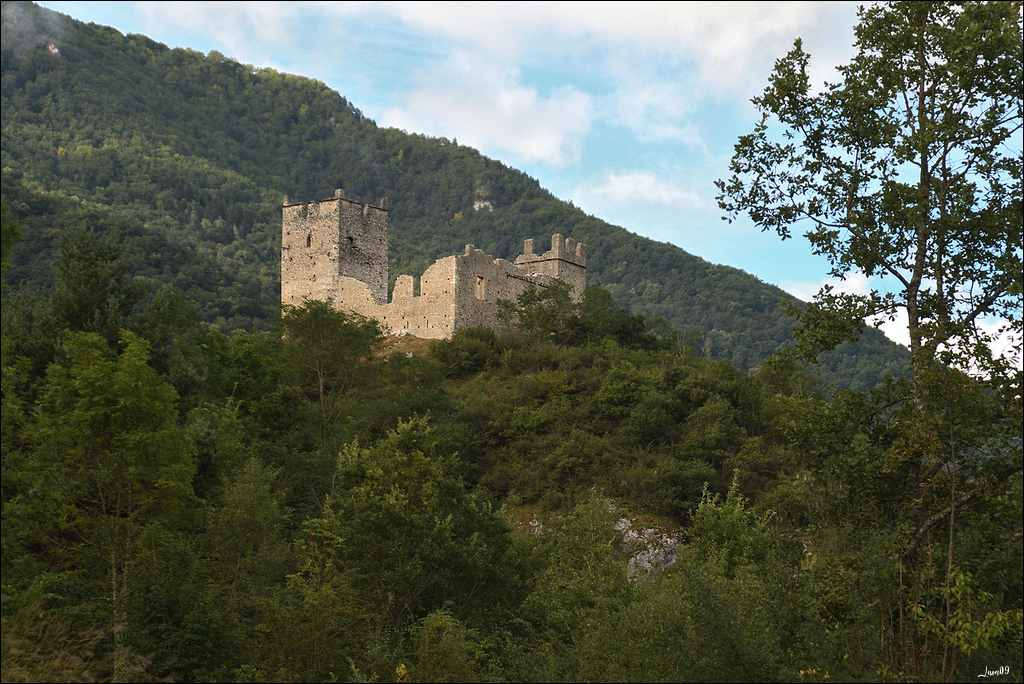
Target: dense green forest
<point>193,158</point>
<point>199,486</point>
<point>301,505</point>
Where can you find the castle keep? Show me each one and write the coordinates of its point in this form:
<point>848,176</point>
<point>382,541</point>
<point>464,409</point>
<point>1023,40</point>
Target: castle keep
<point>338,249</point>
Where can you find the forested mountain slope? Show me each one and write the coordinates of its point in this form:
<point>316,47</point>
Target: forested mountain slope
<point>198,486</point>
<point>190,154</point>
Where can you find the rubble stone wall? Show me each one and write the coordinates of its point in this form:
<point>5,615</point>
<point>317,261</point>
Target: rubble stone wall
<point>336,249</point>
<point>333,238</point>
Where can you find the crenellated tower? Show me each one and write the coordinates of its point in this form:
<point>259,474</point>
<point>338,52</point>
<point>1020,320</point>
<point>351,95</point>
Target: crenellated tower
<point>567,260</point>
<point>323,242</point>
<point>337,249</point>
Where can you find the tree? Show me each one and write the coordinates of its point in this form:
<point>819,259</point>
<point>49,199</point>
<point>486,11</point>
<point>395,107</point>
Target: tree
<point>111,464</point>
<point>325,355</point>
<point>908,170</point>
<point>10,232</point>
<point>468,351</point>
<point>93,291</point>
<point>544,313</point>
<point>409,531</point>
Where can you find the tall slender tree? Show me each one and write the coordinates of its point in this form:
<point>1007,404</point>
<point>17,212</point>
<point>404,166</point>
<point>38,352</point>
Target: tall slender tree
<point>111,464</point>
<point>907,170</point>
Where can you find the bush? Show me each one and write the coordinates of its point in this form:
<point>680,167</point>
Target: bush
<point>469,351</point>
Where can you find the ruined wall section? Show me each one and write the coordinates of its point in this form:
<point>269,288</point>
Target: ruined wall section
<point>567,260</point>
<point>322,242</point>
<point>455,292</point>
<point>429,314</point>
<point>483,280</point>
<point>338,249</point>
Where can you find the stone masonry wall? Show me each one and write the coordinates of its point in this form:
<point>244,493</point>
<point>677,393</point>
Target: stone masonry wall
<point>336,249</point>
<point>481,281</point>
<point>455,292</point>
<point>429,315</point>
<point>330,239</point>
<point>566,260</point>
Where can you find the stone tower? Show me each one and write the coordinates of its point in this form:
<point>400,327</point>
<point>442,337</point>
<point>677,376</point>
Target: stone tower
<point>337,249</point>
<point>566,260</point>
<point>322,242</point>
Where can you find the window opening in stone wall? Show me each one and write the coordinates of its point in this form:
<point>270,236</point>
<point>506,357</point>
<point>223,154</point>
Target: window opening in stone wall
<point>348,244</point>
<point>479,287</point>
<point>309,240</point>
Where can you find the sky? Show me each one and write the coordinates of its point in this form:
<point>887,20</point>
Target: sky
<point>629,110</point>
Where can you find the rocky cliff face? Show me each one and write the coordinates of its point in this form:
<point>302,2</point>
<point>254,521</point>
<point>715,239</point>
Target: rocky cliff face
<point>650,549</point>
<point>649,545</point>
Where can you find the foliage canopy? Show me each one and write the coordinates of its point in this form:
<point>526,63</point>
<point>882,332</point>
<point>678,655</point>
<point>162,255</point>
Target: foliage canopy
<point>306,501</point>
<point>908,169</point>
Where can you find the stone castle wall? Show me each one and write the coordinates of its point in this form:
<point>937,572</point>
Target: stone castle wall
<point>335,249</point>
<point>324,241</point>
<point>566,260</point>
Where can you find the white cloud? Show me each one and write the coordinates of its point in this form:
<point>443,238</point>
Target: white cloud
<point>727,40</point>
<point>734,42</point>
<point>854,283</point>
<point>495,112</point>
<point>240,27</point>
<point>636,187</point>
<point>857,284</point>
<point>655,110</point>
<point>1004,343</point>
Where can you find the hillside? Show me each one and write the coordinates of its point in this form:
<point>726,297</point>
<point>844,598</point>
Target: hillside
<point>190,154</point>
<point>197,485</point>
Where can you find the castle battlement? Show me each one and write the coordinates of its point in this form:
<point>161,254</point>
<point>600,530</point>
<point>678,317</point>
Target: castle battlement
<point>336,249</point>
<point>564,249</point>
<point>339,195</point>
<point>566,260</point>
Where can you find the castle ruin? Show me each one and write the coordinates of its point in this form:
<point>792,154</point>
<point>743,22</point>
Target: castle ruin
<point>337,249</point>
